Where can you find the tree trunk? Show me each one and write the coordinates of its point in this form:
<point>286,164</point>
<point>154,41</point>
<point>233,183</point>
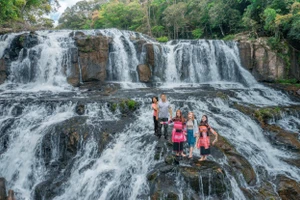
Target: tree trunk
<point>221,28</point>
<point>147,9</point>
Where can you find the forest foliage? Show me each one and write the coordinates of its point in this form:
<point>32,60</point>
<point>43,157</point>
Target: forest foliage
<point>168,19</point>
<point>175,19</point>
<point>27,12</point>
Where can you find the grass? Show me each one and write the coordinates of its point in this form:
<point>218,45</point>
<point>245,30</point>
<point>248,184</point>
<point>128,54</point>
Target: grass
<point>294,82</point>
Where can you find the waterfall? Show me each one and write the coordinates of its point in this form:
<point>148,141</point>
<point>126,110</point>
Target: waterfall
<point>48,150</point>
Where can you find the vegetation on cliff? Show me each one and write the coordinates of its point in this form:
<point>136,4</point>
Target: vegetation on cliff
<point>190,18</point>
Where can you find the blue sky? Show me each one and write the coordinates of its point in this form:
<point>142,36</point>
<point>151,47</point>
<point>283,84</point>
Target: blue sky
<point>63,5</point>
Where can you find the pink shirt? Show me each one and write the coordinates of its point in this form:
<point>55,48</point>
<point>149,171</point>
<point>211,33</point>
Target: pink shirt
<point>154,106</point>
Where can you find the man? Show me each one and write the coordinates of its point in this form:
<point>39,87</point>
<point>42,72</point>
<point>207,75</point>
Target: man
<point>164,109</point>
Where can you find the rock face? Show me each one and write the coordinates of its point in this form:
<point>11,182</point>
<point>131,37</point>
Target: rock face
<point>23,41</point>
<point>288,188</point>
<point>196,179</point>
<point>2,189</point>
<point>144,73</point>
<point>91,56</point>
<point>267,65</point>
<point>3,71</point>
<point>261,61</point>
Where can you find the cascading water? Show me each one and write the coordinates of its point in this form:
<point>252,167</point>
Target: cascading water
<point>49,151</point>
<point>40,65</point>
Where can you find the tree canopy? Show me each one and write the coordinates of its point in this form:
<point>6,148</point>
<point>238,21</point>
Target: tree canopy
<point>28,11</point>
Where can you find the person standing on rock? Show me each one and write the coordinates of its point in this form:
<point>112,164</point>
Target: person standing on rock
<point>155,114</point>
<point>178,133</point>
<point>164,112</point>
<point>204,139</point>
<point>192,132</point>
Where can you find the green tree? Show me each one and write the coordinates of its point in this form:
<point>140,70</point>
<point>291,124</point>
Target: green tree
<point>174,17</point>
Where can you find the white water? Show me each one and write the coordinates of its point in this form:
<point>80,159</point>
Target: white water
<point>44,70</point>
<point>130,157</point>
<point>120,172</point>
<point>19,164</point>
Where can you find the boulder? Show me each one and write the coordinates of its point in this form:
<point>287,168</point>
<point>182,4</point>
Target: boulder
<point>92,58</point>
<point>144,73</point>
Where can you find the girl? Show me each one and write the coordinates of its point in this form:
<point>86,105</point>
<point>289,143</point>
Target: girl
<point>192,132</point>
<point>178,133</point>
<point>204,140</point>
<point>155,116</point>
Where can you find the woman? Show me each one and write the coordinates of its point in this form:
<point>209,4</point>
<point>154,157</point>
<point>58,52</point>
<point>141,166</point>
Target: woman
<point>155,108</point>
<point>178,133</point>
<point>192,132</point>
<point>204,140</point>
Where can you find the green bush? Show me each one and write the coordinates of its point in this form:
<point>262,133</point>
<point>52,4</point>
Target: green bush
<point>229,37</point>
<point>162,39</point>
<point>131,104</point>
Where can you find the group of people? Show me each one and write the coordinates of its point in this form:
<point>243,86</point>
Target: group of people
<point>184,130</point>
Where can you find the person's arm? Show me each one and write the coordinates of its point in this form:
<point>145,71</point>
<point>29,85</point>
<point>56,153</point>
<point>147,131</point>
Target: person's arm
<point>157,109</point>
<point>168,122</point>
<point>170,111</point>
<point>196,129</point>
<point>216,134</point>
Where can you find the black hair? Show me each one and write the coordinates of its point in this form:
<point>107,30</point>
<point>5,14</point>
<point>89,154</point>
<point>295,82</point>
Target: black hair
<point>206,118</point>
<point>155,98</point>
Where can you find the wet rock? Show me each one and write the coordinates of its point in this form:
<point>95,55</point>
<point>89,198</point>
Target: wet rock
<point>23,42</point>
<point>3,71</point>
<point>264,63</point>
<point>207,173</point>
<point>288,188</point>
<point>169,159</point>
<point>283,138</point>
<point>4,134</point>
<point>274,133</point>
<point>144,73</point>
<point>2,189</point>
<point>11,195</point>
<point>236,161</point>
<point>92,59</point>
<point>166,169</point>
<point>150,54</point>
<point>60,146</point>
<point>152,175</point>
<point>79,109</point>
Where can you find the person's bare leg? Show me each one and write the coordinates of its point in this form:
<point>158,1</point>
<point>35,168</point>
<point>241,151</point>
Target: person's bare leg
<point>191,152</point>
<point>182,154</point>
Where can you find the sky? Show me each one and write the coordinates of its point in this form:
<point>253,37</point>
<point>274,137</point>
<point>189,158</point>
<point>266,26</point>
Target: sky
<point>63,5</point>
